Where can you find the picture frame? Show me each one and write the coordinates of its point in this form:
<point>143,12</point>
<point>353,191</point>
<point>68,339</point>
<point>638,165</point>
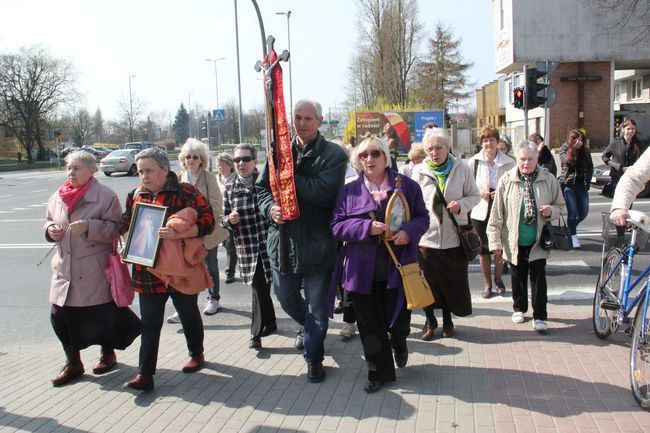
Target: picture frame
<point>398,212</point>
<point>143,242</point>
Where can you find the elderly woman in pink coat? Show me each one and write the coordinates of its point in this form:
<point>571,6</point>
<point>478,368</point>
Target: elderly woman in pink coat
<point>82,219</point>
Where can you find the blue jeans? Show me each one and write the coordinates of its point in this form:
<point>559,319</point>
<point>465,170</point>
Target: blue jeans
<point>213,269</point>
<point>577,205</point>
<point>310,311</point>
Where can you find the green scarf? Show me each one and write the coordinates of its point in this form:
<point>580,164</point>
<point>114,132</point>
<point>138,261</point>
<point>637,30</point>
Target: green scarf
<point>441,172</point>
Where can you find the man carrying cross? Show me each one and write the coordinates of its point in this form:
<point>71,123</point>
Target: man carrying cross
<point>309,248</point>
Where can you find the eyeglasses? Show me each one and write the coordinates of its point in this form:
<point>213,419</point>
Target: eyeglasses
<point>376,153</point>
<point>238,159</point>
<point>192,157</point>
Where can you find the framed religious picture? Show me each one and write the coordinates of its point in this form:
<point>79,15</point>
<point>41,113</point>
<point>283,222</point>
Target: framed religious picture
<point>397,210</point>
<point>143,243</point>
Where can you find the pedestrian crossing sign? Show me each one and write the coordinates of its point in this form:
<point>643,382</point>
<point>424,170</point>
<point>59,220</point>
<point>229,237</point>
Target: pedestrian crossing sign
<point>219,115</point>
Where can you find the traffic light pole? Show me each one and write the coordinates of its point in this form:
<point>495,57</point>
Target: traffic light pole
<point>547,111</point>
<point>526,90</point>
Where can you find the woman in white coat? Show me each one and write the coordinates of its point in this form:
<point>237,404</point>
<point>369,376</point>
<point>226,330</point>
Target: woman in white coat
<point>488,166</point>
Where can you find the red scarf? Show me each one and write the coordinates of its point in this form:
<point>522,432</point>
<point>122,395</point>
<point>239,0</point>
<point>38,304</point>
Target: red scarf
<point>70,194</point>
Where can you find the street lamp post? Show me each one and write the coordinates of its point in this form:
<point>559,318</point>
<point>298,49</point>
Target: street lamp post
<point>288,14</point>
<point>189,113</point>
<point>130,108</point>
<point>216,86</point>
<point>241,115</point>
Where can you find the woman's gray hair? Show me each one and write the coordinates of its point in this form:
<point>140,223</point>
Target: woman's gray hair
<point>438,135</point>
<point>155,153</point>
<point>227,158</point>
<point>195,146</point>
<point>84,157</point>
<point>527,147</point>
<point>247,146</point>
<point>315,105</point>
<point>370,143</point>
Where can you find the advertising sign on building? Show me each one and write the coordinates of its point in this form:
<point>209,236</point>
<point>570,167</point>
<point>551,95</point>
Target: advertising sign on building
<point>405,127</point>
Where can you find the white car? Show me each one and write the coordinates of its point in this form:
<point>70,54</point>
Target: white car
<point>119,161</point>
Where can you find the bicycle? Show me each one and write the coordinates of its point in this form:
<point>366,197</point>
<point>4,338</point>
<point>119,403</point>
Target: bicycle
<point>614,301</point>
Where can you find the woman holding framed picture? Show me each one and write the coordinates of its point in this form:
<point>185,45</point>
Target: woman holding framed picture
<point>161,187</point>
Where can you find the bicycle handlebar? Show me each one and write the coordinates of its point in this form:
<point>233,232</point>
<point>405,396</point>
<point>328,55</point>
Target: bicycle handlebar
<point>638,225</point>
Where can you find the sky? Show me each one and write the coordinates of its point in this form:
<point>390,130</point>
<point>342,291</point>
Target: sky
<point>165,44</point>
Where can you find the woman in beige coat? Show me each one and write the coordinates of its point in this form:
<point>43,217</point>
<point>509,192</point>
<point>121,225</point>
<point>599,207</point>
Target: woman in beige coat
<point>194,159</point>
<point>526,197</point>
<point>441,258</point>
<point>82,219</point>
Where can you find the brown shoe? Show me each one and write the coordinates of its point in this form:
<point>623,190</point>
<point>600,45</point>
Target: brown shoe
<point>195,363</point>
<point>427,333</point>
<point>486,293</point>
<point>69,373</point>
<point>447,330</point>
<point>105,364</point>
<point>142,382</point>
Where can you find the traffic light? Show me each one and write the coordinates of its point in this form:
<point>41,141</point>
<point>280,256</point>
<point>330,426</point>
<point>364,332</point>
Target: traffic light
<point>518,97</point>
<point>535,90</point>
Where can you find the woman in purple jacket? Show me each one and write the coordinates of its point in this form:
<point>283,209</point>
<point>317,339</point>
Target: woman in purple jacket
<point>365,269</point>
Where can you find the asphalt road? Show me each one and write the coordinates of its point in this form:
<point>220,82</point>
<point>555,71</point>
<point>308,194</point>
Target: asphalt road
<point>24,286</point>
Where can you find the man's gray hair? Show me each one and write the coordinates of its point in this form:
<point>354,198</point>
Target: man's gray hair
<point>247,146</point>
<point>155,153</point>
<point>315,105</point>
<point>527,147</point>
<point>84,157</point>
<point>438,135</point>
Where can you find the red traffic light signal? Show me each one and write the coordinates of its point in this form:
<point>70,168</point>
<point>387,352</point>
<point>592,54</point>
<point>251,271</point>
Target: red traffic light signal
<point>518,97</point>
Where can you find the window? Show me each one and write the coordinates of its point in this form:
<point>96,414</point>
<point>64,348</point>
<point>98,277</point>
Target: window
<point>618,89</point>
<point>637,88</point>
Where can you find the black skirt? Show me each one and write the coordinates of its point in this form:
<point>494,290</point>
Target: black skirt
<point>446,272</point>
<point>106,325</point>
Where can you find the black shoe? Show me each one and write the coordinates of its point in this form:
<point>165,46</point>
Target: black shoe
<point>255,342</point>
<point>315,372</point>
<point>269,329</point>
<point>230,279</point>
<point>373,385</point>
<point>401,358</point>
<point>299,344</point>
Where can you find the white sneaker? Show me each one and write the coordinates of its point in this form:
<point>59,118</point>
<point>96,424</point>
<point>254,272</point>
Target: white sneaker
<point>348,330</point>
<point>575,241</point>
<point>211,307</point>
<point>518,317</point>
<point>174,318</point>
<point>540,326</point>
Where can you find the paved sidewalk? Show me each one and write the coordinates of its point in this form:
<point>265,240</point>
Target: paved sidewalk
<point>495,376</point>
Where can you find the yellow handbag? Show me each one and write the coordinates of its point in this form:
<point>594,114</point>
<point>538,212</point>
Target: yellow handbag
<point>416,289</point>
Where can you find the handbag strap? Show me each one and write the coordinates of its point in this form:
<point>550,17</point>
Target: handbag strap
<point>444,203</point>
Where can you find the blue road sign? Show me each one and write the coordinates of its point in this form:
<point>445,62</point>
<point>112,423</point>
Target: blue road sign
<point>422,118</point>
<point>219,115</point>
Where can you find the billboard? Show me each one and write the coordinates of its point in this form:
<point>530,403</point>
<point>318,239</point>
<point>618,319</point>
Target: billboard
<point>405,127</point>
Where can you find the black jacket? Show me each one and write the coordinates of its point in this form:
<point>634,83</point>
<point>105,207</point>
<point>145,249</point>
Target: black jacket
<point>584,167</point>
<point>318,176</point>
<point>619,151</point>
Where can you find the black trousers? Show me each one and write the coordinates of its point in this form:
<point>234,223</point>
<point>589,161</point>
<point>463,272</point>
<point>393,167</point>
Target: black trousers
<point>538,288</point>
<point>152,312</point>
<point>374,313</point>
<point>231,254</point>
<point>263,311</point>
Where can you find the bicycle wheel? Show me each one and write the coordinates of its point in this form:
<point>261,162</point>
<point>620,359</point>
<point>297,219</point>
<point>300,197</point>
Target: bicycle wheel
<point>640,357</point>
<point>604,320</point>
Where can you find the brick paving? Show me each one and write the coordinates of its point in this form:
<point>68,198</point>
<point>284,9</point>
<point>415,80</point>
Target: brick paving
<point>494,377</point>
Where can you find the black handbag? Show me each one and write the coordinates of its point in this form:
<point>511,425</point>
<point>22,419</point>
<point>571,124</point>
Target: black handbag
<point>470,241</point>
<point>556,237</point>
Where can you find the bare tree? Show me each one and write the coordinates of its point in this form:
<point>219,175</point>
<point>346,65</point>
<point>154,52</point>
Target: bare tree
<point>131,112</point>
<point>442,75</point>
<point>32,86</point>
<point>81,126</point>
<point>98,124</point>
<point>633,15</point>
<point>389,36</point>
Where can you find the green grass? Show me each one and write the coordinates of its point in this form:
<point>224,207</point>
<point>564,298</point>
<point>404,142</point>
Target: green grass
<point>11,164</point>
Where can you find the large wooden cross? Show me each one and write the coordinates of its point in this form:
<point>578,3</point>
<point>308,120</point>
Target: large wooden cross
<point>581,79</point>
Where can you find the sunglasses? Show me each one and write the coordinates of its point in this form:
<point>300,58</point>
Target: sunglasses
<point>376,153</point>
<point>239,159</point>
<point>192,157</point>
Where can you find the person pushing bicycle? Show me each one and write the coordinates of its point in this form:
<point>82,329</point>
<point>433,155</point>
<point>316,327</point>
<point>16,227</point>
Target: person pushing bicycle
<point>631,183</point>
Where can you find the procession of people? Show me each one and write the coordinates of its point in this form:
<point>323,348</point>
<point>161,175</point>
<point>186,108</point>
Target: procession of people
<point>343,239</point>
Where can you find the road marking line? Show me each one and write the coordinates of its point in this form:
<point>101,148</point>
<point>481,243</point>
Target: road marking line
<point>6,196</point>
<point>42,220</point>
<point>38,205</point>
<point>19,208</point>
<point>38,190</point>
<point>556,294</point>
<point>610,203</point>
<point>552,265</point>
<point>23,246</point>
